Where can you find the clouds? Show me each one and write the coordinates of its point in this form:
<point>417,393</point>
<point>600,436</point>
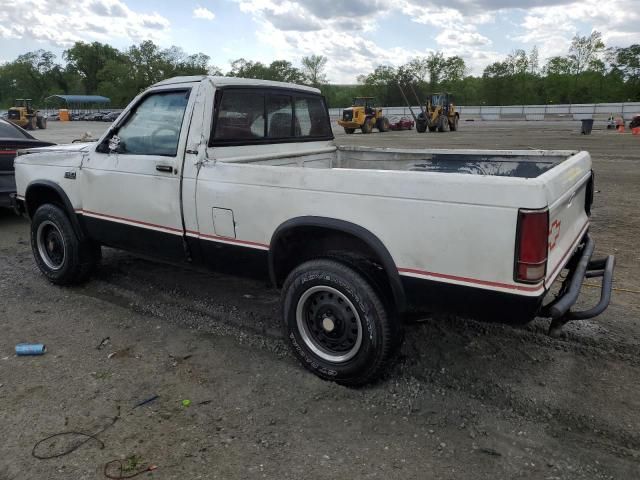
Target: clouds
<point>349,33</point>
<point>355,35</point>
<point>62,22</point>
<point>203,13</point>
<point>552,27</point>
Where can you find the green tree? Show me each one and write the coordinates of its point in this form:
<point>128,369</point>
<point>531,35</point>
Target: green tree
<point>87,59</point>
<point>313,68</point>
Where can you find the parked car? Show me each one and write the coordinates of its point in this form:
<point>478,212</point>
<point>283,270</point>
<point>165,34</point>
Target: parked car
<point>12,138</point>
<point>355,237</point>
<point>401,123</point>
<point>110,117</point>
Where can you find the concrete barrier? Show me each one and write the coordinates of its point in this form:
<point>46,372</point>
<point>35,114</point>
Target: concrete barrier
<point>527,112</point>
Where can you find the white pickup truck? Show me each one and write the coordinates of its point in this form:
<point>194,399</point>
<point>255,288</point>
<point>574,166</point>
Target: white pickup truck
<point>244,176</point>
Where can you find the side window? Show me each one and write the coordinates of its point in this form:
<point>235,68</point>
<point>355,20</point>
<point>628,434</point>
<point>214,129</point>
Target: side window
<point>311,117</point>
<point>154,127</point>
<point>279,116</point>
<point>240,116</point>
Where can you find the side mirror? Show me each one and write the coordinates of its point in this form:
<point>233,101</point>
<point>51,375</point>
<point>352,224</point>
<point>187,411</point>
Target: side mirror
<point>114,143</point>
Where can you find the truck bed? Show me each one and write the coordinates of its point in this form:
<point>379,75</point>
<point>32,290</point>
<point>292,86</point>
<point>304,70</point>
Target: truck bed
<point>518,164</point>
<point>502,164</point>
<point>462,191</point>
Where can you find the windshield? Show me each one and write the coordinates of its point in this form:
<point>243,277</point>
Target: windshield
<point>362,102</point>
<point>438,99</point>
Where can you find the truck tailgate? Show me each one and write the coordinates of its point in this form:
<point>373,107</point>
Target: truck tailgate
<point>567,191</point>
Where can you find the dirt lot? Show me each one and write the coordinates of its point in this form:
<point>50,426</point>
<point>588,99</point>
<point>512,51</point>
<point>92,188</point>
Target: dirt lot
<point>466,400</point>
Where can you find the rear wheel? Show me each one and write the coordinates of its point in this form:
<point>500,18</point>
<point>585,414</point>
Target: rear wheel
<point>349,131</point>
<point>336,323</point>
<point>41,122</point>
<point>60,255</point>
<point>421,127</point>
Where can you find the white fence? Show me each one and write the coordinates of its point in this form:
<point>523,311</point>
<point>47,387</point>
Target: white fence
<point>528,112</point>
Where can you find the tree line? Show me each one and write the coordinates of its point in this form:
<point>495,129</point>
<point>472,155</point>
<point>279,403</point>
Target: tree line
<point>590,72</point>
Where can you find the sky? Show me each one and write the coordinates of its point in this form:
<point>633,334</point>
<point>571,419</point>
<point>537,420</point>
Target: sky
<point>355,35</point>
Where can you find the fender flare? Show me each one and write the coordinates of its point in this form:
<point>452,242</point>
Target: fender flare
<point>66,204</point>
<point>357,231</point>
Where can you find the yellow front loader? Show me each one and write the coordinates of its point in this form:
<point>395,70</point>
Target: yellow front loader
<point>24,115</point>
<point>363,115</point>
<point>439,113</point>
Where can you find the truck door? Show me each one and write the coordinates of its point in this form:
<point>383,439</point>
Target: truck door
<point>130,183</point>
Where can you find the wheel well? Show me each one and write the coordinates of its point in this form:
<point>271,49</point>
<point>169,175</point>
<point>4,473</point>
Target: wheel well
<point>38,195</point>
<point>297,245</point>
<point>47,192</point>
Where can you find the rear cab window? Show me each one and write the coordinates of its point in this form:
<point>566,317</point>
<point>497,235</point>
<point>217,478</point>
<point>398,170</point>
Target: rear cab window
<point>262,116</point>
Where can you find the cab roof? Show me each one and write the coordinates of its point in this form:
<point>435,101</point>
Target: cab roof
<point>234,81</point>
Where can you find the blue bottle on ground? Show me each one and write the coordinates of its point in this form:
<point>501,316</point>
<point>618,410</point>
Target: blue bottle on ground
<point>30,349</point>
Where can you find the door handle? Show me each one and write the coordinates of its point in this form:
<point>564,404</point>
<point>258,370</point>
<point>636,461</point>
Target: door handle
<point>164,168</point>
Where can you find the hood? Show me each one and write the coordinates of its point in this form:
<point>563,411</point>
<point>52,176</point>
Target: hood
<point>69,148</point>
<point>70,155</point>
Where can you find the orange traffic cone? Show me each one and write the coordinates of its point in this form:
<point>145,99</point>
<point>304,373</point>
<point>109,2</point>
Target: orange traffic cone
<point>620,128</point>
<point>635,131</point>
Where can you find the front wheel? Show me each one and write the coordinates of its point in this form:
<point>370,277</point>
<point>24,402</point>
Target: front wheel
<point>367,126</point>
<point>349,131</point>
<point>453,126</point>
<point>382,124</point>
<point>60,255</point>
<point>336,323</point>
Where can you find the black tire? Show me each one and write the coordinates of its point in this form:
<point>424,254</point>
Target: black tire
<point>51,231</point>
<point>421,127</point>
<point>453,126</point>
<point>382,124</point>
<point>355,315</point>
<point>367,126</point>
<point>41,122</point>
<point>349,131</point>
<point>432,129</point>
<point>443,124</point>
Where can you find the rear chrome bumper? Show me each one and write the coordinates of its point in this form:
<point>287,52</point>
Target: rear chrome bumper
<point>581,266</point>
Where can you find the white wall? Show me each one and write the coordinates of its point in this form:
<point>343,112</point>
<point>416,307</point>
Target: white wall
<point>527,112</point>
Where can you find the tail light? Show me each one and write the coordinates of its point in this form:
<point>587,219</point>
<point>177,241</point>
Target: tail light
<point>532,245</point>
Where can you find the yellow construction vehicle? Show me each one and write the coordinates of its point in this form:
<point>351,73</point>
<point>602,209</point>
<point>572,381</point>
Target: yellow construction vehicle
<point>363,115</point>
<point>24,115</point>
<point>439,113</point>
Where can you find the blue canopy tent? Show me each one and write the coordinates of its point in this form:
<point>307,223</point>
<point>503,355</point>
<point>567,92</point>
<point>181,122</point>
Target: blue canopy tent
<point>77,103</point>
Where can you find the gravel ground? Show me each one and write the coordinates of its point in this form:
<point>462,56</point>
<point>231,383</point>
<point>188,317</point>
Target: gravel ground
<point>465,400</point>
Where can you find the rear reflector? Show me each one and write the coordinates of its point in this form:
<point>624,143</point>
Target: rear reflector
<point>532,245</point>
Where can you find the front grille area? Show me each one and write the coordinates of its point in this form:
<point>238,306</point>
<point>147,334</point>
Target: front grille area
<point>347,115</point>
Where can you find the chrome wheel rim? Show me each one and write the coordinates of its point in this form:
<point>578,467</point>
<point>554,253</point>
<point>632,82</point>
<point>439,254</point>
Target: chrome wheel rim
<point>329,324</point>
<point>51,246</point>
